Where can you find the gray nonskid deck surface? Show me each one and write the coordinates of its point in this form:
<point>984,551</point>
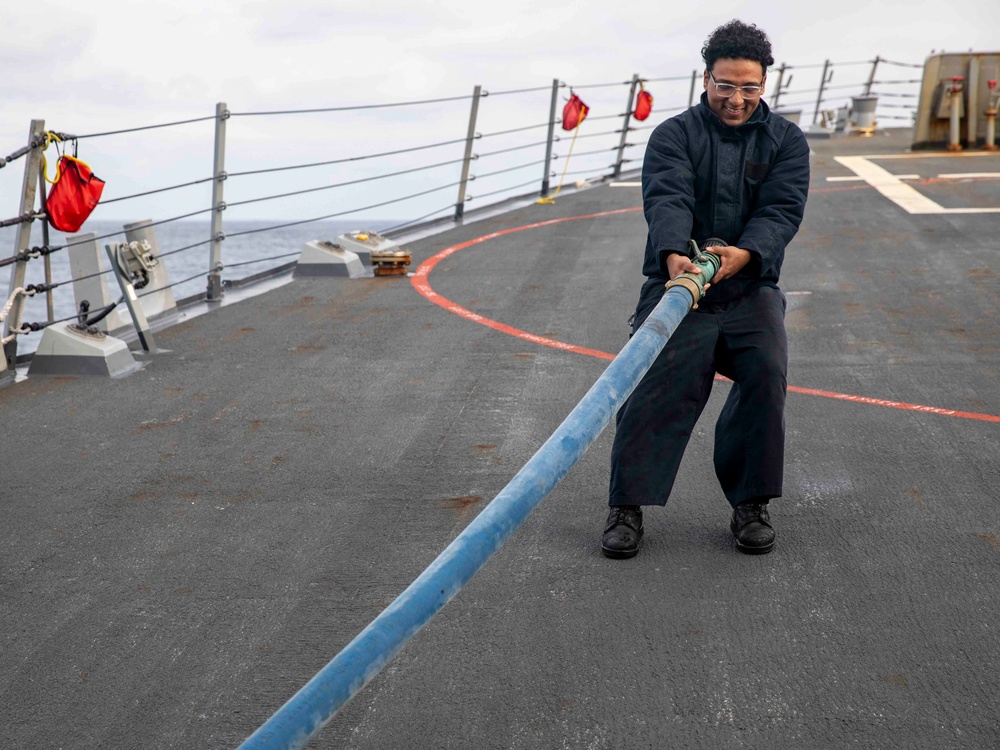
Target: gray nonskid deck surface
<point>182,549</point>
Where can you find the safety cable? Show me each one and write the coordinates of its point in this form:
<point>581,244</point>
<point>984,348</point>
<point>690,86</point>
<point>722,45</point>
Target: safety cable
<point>42,139</point>
<point>31,253</point>
<point>515,148</point>
<point>509,169</point>
<point>349,158</point>
<point>798,92</point>
<point>847,86</point>
<point>105,201</point>
<point>262,260</point>
<point>594,135</point>
<point>186,247</point>
<point>589,153</point>
<point>28,254</point>
<point>786,105</point>
<point>101,313</point>
<point>600,85</point>
<point>589,171</point>
<point>670,78</point>
<point>147,293</point>
<point>23,219</point>
<point>144,127</point>
<point>357,107</point>
<point>449,207</point>
<point>503,190</point>
<point>830,64</point>
<point>517,130</point>
<point>607,117</point>
<point>343,184</point>
<point>562,84</point>
<point>44,287</point>
<point>343,213</point>
<point>4,161</point>
<point>88,276</point>
<point>901,64</point>
<point>900,81</point>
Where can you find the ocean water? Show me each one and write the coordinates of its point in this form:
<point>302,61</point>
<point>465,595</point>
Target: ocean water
<point>262,248</point>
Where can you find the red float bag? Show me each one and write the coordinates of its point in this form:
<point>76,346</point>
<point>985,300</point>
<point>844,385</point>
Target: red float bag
<point>643,104</point>
<point>74,194</point>
<point>574,112</point>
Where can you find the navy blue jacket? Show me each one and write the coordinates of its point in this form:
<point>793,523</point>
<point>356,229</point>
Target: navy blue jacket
<point>746,185</point>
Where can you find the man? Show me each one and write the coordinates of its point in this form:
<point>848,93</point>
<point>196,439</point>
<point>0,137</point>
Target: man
<point>734,177</point>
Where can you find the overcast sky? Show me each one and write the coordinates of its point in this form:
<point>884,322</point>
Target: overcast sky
<point>109,64</point>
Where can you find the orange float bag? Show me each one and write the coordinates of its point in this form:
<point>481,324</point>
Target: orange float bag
<point>574,113</point>
<point>643,104</point>
<point>74,194</point>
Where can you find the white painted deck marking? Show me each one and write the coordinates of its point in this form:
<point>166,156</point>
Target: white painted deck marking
<point>893,188</point>
<point>856,178</point>
<point>967,175</point>
<point>624,184</point>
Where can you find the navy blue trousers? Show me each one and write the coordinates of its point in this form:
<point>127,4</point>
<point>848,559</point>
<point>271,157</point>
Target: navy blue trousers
<point>744,340</point>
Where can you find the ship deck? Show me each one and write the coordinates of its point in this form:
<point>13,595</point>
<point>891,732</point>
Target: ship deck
<point>183,548</point>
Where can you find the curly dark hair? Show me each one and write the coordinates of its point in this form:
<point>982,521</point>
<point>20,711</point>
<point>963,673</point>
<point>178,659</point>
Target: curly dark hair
<point>739,41</point>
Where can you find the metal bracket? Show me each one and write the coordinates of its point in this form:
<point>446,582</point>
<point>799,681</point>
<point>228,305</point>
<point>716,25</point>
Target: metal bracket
<point>134,261</point>
<point>125,276</point>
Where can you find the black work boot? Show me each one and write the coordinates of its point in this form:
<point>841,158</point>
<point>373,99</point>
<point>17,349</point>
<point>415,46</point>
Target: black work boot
<point>751,525</point>
<point>623,532</point>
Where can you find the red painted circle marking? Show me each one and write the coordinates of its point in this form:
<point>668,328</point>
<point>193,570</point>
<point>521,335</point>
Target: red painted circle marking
<point>420,282</point>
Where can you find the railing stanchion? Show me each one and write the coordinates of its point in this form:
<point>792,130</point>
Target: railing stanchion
<point>467,161</point>
<point>694,81</point>
<point>778,88</point>
<point>42,199</point>
<point>628,116</point>
<point>32,169</point>
<point>551,136</point>
<point>215,291</point>
<point>871,76</point>
<point>822,85</point>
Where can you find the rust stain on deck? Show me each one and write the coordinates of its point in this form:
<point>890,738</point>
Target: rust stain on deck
<point>460,505</point>
<point>991,539</point>
<point>896,679</point>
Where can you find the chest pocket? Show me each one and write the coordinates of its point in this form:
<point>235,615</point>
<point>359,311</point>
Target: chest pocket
<point>756,172</point>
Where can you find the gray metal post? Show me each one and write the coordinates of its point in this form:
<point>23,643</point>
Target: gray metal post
<point>694,80</point>
<point>551,136</point>
<point>628,114</point>
<point>467,161</point>
<point>215,291</point>
<point>871,76</point>
<point>777,89</point>
<point>822,85</point>
<point>28,190</point>
<point>972,108</point>
<point>49,308</point>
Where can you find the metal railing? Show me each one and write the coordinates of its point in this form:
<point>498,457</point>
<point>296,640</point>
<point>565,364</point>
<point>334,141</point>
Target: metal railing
<point>445,154</point>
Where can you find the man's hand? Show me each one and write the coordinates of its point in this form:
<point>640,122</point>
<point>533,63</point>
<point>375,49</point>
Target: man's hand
<point>678,264</point>
<point>733,259</point>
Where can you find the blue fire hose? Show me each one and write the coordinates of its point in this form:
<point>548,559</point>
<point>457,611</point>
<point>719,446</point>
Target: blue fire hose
<point>306,712</point>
